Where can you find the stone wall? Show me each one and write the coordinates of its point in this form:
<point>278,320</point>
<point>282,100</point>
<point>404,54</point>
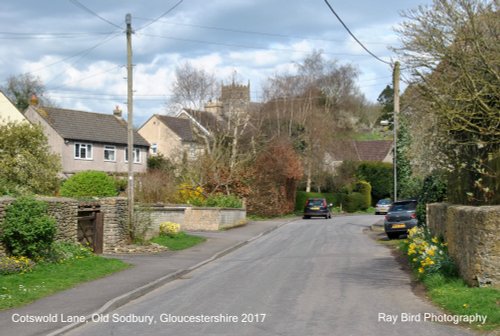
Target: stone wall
<point>473,238</point>
<point>189,218</point>
<point>116,233</point>
<point>65,212</point>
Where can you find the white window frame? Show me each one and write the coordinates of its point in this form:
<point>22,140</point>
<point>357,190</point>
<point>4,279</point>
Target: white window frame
<point>78,152</point>
<point>110,149</point>
<point>136,154</point>
<point>154,148</point>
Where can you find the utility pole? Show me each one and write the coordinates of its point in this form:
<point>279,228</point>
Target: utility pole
<point>130,125</point>
<point>395,79</point>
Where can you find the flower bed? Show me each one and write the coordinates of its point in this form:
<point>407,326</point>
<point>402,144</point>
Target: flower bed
<point>426,254</point>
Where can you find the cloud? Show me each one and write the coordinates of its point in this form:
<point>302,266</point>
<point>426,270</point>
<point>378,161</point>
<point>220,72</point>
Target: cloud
<point>253,38</point>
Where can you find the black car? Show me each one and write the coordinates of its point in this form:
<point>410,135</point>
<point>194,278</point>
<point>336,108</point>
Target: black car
<point>317,207</point>
<point>400,218</point>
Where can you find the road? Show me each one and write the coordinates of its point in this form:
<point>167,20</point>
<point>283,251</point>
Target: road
<point>310,277</point>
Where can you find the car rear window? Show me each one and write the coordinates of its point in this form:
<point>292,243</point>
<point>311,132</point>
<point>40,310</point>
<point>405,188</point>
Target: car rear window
<point>404,206</point>
<point>384,202</point>
<point>315,202</point>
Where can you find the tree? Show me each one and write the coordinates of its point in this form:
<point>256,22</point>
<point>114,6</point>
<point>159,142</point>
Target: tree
<point>193,87</point>
<point>386,101</point>
<point>310,106</point>
<point>19,89</point>
<point>451,50</point>
<point>26,164</point>
<point>277,170</point>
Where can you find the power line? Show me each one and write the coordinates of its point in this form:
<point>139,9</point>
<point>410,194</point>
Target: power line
<point>249,32</point>
<point>82,54</point>
<point>162,15</point>
<point>353,36</point>
<point>88,10</point>
<point>46,36</point>
<point>244,46</point>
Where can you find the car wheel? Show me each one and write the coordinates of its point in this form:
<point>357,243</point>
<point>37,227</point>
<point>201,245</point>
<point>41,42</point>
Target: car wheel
<point>306,217</point>
<point>377,213</point>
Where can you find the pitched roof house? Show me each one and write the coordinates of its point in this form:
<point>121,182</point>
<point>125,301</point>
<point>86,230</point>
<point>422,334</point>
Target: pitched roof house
<point>89,141</point>
<point>8,111</point>
<point>351,150</point>
<point>171,136</point>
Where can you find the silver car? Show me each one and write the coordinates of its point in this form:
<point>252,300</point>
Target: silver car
<point>383,206</point>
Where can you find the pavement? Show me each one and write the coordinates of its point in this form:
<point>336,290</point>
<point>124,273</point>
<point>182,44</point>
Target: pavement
<point>149,272</point>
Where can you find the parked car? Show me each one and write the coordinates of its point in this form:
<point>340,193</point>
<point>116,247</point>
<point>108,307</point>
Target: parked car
<point>317,207</point>
<point>400,218</point>
<point>383,206</point>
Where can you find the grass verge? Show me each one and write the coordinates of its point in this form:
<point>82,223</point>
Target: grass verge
<point>454,296</point>
<point>450,293</point>
<point>180,241</point>
<point>48,278</point>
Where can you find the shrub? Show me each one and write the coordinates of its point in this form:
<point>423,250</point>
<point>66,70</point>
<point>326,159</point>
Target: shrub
<point>355,201</point>
<point>365,189</point>
<point>190,194</point>
<point>89,184</point>
<point>380,177</point>
<point>160,162</point>
<point>433,190</point>
<point>169,229</point>
<point>121,184</point>
<point>27,165</point>
<point>61,251</point>
<point>27,229</point>
<point>12,265</point>
<point>223,201</point>
<point>156,186</point>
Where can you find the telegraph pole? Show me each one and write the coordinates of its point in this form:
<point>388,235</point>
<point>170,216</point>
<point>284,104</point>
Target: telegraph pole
<point>395,125</point>
<point>130,125</point>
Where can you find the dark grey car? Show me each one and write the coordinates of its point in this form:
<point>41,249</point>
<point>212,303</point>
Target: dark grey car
<point>400,218</point>
<point>317,207</point>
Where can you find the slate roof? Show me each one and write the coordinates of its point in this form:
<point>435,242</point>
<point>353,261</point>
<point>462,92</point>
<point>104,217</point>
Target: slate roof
<point>374,150</point>
<point>180,126</point>
<point>207,119</point>
<point>89,126</point>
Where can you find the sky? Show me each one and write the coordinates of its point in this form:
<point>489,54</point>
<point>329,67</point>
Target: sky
<point>78,47</point>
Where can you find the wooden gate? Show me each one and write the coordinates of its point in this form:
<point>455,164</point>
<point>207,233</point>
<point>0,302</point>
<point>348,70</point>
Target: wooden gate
<point>91,226</point>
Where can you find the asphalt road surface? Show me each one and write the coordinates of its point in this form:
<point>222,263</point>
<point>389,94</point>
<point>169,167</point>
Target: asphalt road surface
<point>310,277</point>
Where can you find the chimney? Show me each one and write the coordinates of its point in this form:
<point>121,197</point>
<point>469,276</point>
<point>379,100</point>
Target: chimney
<point>34,100</point>
<point>117,112</point>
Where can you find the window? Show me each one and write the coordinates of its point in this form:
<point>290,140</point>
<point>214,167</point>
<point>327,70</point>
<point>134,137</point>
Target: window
<point>137,155</point>
<point>109,153</point>
<point>83,151</point>
<point>154,148</point>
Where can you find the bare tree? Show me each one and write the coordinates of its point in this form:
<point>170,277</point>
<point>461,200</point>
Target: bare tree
<point>20,89</point>
<point>193,87</point>
<point>452,53</point>
<point>311,105</point>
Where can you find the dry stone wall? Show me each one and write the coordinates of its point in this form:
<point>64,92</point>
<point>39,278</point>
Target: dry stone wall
<point>65,212</point>
<point>189,218</point>
<point>473,238</point>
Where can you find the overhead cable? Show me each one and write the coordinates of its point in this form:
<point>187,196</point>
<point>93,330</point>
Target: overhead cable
<point>162,15</point>
<point>353,36</point>
<point>88,10</point>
